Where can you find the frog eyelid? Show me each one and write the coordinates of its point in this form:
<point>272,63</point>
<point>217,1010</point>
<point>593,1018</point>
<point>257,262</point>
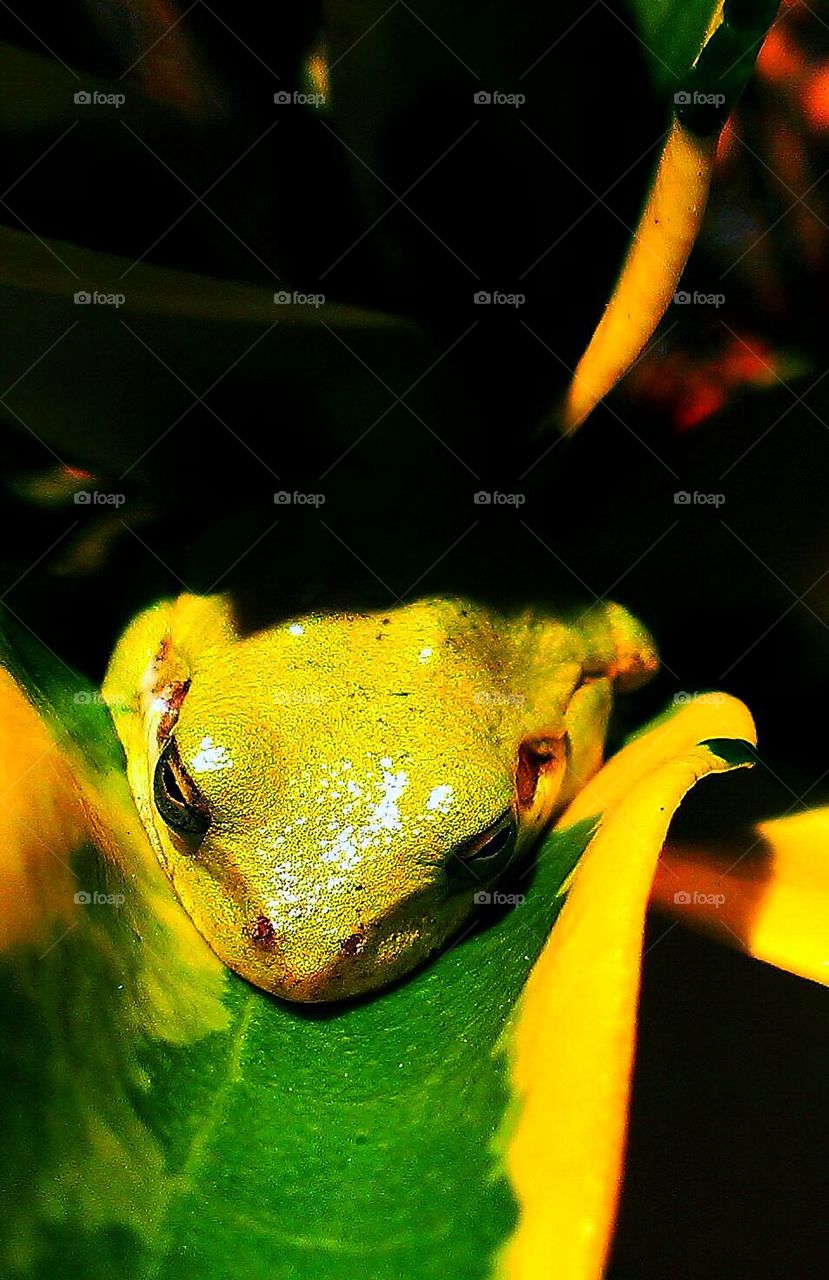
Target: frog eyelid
<point>476,843</point>
<point>485,855</point>
<point>176,796</point>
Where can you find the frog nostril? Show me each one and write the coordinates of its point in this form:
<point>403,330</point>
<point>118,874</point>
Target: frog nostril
<point>353,945</point>
<point>263,933</point>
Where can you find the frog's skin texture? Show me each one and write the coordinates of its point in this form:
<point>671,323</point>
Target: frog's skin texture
<point>340,759</point>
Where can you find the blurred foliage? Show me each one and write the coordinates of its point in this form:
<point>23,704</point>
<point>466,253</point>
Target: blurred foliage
<point>401,197</point>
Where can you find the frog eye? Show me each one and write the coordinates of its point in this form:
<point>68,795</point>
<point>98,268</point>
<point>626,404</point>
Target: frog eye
<point>176,795</point>
<point>484,857</point>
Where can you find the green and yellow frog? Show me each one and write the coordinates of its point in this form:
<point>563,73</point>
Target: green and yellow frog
<point>332,795</point>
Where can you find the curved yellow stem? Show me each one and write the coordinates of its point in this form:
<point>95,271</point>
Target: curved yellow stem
<point>663,239</point>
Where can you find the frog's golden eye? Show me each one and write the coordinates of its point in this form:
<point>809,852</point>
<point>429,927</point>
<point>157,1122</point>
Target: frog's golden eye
<point>484,857</point>
<point>176,796</point>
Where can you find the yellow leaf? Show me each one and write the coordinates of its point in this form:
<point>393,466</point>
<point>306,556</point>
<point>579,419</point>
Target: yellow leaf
<point>41,824</point>
<point>768,895</point>
<point>574,1037</point>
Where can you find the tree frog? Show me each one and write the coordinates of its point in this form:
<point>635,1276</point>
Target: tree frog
<point>331,794</point>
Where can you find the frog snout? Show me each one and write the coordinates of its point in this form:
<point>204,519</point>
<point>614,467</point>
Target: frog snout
<point>314,959</point>
<point>312,971</point>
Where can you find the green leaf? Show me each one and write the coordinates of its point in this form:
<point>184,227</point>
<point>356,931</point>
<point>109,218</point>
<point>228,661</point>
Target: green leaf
<point>672,35</point>
<point>734,752</point>
<point>683,56</point>
<point>163,1118</point>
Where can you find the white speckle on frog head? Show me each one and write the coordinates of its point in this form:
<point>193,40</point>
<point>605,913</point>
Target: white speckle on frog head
<point>289,902</point>
<point>440,799</point>
<point>210,757</point>
<point>425,654</point>
<point>342,850</point>
<point>349,841</point>
<point>296,629</point>
<point>386,814</point>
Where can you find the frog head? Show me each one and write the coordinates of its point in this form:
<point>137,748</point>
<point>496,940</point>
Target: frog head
<point>329,796</point>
